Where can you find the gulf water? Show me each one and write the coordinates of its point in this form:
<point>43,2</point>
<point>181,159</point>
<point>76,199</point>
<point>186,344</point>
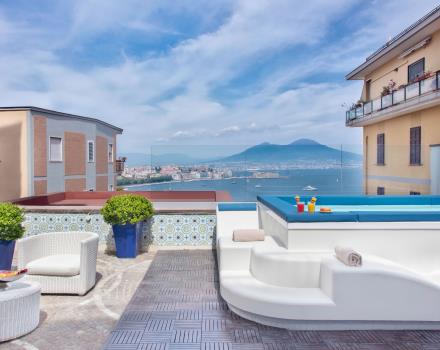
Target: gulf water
<point>341,181</point>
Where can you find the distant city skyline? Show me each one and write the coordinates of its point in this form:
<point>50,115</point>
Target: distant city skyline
<point>199,72</point>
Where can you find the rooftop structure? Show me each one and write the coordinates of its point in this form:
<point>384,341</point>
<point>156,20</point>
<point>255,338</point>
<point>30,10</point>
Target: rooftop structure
<point>399,111</point>
<point>44,151</point>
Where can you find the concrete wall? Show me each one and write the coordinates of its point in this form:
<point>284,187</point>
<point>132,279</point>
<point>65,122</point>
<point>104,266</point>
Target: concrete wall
<point>273,225</point>
<point>40,146</point>
<point>74,172</point>
<point>397,69</point>
<point>74,153</point>
<point>435,169</point>
<point>14,153</point>
<point>397,175</point>
<point>110,137</point>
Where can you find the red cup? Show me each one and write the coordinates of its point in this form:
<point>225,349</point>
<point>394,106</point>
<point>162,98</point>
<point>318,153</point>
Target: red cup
<point>300,207</point>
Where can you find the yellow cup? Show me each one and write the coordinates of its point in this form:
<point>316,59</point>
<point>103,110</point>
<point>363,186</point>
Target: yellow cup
<point>311,208</point>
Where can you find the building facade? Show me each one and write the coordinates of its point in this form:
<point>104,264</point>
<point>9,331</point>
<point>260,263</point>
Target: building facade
<point>44,151</point>
<point>399,111</point>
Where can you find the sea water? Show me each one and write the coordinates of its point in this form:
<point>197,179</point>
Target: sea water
<point>343,181</point>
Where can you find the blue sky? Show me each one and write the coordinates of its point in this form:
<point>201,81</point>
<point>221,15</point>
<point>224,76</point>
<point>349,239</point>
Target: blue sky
<point>197,72</point>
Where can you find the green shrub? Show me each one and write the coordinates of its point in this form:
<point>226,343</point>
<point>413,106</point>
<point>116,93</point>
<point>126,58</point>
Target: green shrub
<point>11,218</point>
<point>126,209</point>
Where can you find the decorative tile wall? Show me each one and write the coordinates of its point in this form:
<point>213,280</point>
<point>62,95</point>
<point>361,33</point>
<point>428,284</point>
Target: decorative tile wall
<point>161,229</point>
<point>183,229</point>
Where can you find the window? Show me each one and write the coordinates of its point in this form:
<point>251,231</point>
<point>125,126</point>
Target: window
<point>415,144</point>
<point>56,149</point>
<point>415,70</point>
<point>380,191</point>
<point>414,193</point>
<point>381,149</point>
<point>90,151</point>
<point>110,153</point>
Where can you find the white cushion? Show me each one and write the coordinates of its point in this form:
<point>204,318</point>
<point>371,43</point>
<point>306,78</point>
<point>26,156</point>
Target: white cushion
<point>55,265</point>
<point>248,235</point>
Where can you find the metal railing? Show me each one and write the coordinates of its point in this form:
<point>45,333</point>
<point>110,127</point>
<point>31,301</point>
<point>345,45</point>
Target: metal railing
<point>396,97</point>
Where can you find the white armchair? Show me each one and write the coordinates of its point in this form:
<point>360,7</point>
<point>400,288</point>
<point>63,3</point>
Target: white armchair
<point>62,262</point>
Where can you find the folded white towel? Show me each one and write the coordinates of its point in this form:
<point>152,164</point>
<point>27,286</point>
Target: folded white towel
<point>249,235</point>
<point>348,256</point>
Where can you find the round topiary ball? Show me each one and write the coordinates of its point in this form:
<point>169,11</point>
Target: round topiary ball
<point>11,219</point>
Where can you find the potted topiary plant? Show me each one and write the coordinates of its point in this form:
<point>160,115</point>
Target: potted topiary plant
<point>11,218</point>
<point>124,213</point>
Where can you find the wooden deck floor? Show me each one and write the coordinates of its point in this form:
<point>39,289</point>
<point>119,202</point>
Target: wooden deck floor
<point>178,306</point>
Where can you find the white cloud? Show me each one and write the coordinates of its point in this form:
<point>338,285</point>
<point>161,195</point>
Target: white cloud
<point>176,93</point>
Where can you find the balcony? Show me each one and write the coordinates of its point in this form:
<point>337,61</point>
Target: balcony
<point>412,97</point>
<point>120,164</point>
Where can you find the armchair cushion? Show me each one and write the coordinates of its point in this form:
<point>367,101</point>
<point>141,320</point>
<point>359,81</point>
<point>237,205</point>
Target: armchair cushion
<point>55,265</point>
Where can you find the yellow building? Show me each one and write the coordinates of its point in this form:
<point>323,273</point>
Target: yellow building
<point>399,111</point>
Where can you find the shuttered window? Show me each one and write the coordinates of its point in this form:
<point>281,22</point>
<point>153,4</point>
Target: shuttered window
<point>91,151</point>
<point>55,149</point>
<point>381,149</point>
<point>415,142</point>
<point>110,153</point>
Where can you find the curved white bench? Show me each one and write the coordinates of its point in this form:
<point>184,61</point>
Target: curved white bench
<point>306,287</point>
<point>236,256</point>
<point>380,294</point>
<point>277,266</point>
<point>243,291</point>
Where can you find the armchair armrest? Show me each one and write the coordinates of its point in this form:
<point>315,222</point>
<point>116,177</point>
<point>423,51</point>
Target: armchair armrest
<point>89,253</point>
<point>29,249</point>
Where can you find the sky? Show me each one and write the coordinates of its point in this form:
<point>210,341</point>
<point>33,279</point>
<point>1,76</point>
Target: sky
<point>197,72</point>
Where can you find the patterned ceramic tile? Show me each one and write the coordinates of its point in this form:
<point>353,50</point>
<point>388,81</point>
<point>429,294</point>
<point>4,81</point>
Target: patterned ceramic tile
<point>161,229</point>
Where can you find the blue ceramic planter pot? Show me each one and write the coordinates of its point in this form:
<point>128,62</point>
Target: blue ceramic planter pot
<point>126,240</point>
<point>6,254</point>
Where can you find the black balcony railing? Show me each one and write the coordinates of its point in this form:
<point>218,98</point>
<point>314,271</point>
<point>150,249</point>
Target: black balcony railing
<point>408,92</point>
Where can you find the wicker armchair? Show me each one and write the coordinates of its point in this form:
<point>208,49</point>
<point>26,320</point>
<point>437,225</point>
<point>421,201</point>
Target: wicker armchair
<point>62,262</point>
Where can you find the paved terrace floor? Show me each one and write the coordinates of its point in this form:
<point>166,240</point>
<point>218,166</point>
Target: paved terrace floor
<point>84,322</point>
<point>178,306</point>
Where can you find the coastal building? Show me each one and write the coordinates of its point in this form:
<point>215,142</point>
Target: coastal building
<point>44,151</point>
<point>399,111</point>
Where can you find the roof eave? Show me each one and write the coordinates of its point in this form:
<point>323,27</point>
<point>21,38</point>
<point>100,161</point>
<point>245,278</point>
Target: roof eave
<point>62,114</point>
<point>359,72</point>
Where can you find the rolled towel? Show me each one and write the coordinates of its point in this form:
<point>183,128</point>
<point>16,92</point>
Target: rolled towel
<point>249,235</point>
<point>348,256</point>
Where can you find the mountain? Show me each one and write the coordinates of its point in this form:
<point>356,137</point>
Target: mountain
<point>302,150</point>
<point>304,142</point>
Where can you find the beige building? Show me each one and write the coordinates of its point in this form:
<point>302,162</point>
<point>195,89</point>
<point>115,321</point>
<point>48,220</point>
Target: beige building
<point>44,151</point>
<point>399,111</point>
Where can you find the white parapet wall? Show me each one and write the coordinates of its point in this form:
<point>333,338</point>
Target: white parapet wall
<point>414,244</point>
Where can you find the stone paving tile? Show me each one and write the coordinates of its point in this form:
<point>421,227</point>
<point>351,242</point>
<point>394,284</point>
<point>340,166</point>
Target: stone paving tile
<point>70,322</point>
<point>177,306</point>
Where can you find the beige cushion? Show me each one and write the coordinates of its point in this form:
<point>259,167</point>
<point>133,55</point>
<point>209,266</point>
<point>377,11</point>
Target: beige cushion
<point>55,265</point>
<point>248,235</point>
